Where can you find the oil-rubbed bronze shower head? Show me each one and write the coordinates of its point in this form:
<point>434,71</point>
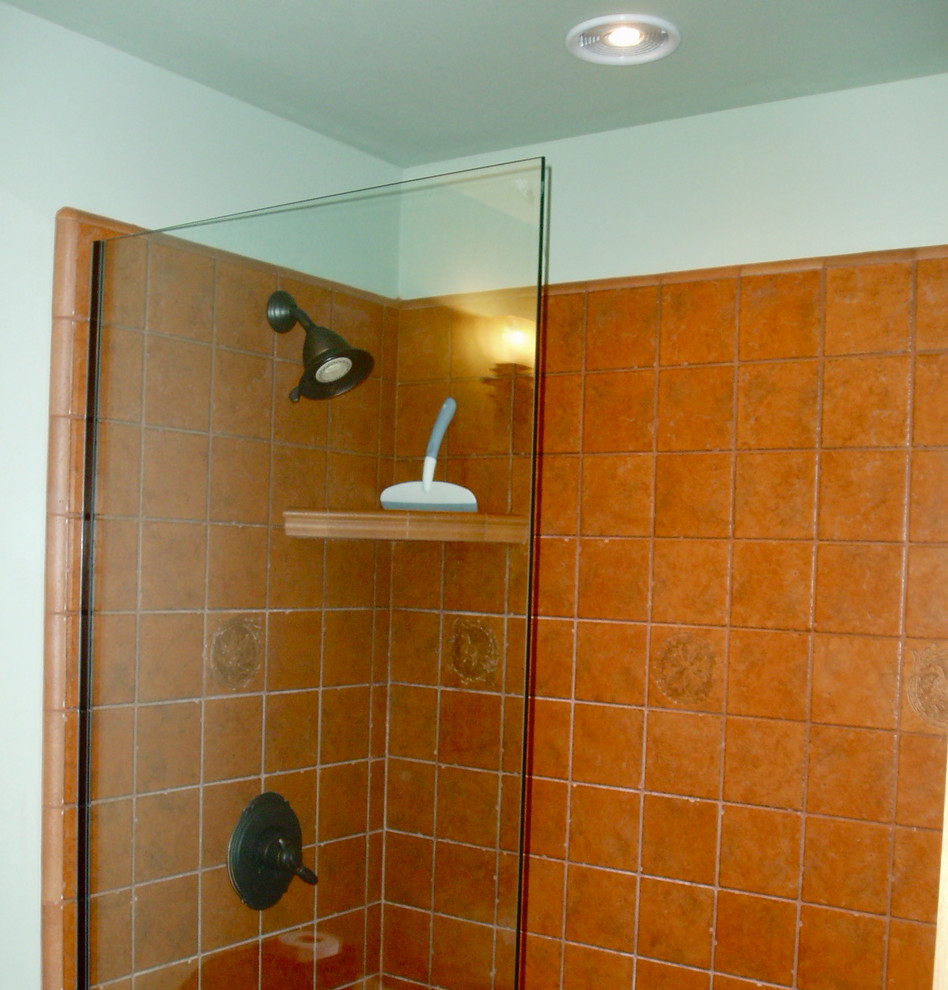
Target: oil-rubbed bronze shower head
<point>330,365</point>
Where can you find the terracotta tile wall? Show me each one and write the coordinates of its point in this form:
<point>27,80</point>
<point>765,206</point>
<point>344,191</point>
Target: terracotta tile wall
<point>229,658</point>
<point>200,451</point>
<point>702,432</point>
<point>457,665</point>
<point>738,749</point>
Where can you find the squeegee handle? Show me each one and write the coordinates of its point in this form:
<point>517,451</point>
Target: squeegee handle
<point>444,417</point>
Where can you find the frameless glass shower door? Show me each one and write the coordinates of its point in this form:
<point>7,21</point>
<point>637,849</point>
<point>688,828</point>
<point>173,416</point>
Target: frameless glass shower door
<point>283,680</point>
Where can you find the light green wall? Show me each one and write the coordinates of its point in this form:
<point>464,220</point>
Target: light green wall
<point>85,126</point>
<point>859,170</point>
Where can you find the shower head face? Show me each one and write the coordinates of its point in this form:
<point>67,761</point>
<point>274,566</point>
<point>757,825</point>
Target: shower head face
<point>330,365</point>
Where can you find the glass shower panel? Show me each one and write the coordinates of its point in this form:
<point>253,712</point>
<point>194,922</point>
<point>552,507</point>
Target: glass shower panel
<point>371,685</point>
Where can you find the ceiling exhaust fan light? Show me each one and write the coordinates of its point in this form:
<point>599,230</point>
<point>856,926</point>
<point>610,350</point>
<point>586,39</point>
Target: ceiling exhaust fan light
<point>624,36</point>
<point>623,39</point>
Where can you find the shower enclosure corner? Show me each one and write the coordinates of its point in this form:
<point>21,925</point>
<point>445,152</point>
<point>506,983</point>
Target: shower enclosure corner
<point>302,712</point>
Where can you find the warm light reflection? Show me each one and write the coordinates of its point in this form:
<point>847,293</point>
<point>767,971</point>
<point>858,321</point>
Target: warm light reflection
<point>516,342</point>
<point>494,336</point>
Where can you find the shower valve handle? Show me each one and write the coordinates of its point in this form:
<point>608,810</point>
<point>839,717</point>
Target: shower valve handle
<point>282,854</point>
<point>306,875</point>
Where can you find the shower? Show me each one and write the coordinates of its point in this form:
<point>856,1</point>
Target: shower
<point>258,707</point>
<point>330,365</point>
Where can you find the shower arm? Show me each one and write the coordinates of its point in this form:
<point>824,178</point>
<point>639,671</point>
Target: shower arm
<point>305,322</point>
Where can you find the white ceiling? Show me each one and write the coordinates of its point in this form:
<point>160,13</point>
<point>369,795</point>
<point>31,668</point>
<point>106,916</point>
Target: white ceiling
<point>418,81</point>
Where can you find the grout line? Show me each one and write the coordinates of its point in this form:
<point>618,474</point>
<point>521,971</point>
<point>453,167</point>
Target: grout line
<point>728,607</point>
<point>390,559</point>
<point>502,671</point>
<point>811,632</point>
<point>206,630</point>
<point>573,618</point>
<point>649,622</point>
<point>903,609</point>
<point>436,776</point>
<point>138,610</point>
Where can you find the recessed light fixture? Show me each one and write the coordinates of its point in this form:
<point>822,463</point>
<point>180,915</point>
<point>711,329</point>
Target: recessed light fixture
<point>623,39</point>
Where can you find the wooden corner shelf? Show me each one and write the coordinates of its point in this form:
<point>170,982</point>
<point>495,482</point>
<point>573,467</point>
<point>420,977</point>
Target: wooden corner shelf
<point>468,527</point>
